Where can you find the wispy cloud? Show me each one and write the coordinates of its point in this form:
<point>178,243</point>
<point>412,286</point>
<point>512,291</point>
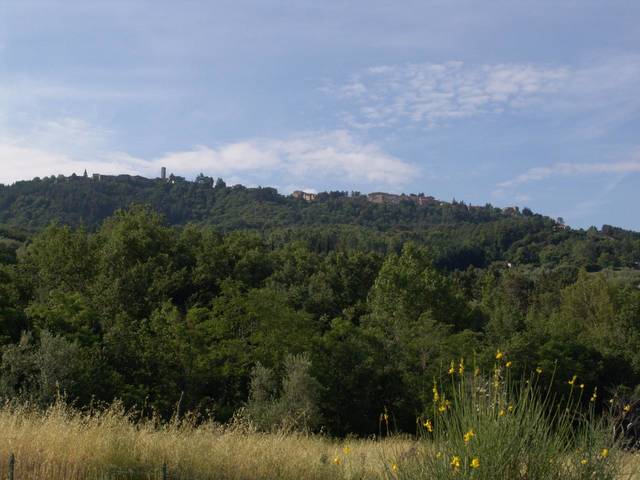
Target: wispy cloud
<point>330,156</point>
<point>603,177</point>
<point>571,169</point>
<point>31,95</point>
<point>325,157</point>
<point>436,94</point>
<point>598,199</point>
<point>432,94</point>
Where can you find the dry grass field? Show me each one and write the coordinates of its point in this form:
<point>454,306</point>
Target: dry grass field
<point>63,444</point>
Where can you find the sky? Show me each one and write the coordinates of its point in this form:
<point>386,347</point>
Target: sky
<point>528,103</point>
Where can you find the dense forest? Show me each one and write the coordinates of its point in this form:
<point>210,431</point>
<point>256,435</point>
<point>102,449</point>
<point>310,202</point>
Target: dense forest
<point>233,300</point>
<point>86,201</point>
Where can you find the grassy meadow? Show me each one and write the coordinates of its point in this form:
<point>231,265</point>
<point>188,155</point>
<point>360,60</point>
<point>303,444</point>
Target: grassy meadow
<point>63,444</point>
<point>480,428</point>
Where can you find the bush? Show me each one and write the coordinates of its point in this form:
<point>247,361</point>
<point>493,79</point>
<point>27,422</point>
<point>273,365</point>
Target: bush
<point>294,407</point>
<point>500,428</point>
<point>41,372</point>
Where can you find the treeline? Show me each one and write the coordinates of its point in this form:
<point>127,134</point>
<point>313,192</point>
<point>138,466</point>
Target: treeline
<point>345,320</point>
<point>457,235</point>
<point>83,201</point>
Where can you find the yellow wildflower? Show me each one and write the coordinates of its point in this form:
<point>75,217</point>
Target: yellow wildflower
<point>337,461</point>
<point>594,395</point>
<point>468,436</point>
<point>394,467</point>
<point>508,364</point>
<point>475,462</point>
<point>436,395</point>
<point>346,450</point>
<point>499,355</point>
<point>626,408</point>
<point>501,413</point>
<point>444,406</point>
<point>455,463</point>
<point>604,453</point>
<point>584,461</point>
<point>452,368</point>
<point>439,455</point>
<point>538,370</point>
<point>496,377</point>
<point>428,425</point>
<point>461,367</point>
<point>573,380</point>
<point>582,386</point>
<point>510,408</point>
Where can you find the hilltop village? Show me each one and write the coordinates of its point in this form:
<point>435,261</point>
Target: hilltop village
<point>374,197</point>
<point>378,197</point>
<point>381,198</point>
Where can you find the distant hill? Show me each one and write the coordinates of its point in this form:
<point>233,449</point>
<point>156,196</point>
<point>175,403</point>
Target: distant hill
<point>460,234</point>
<point>88,201</point>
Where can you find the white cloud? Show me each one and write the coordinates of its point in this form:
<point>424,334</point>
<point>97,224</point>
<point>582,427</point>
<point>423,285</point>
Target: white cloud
<point>435,94</point>
<point>69,146</point>
<point>609,176</point>
<point>22,163</point>
<point>571,169</point>
<point>21,90</point>
<point>227,160</point>
<point>54,147</point>
<point>334,155</point>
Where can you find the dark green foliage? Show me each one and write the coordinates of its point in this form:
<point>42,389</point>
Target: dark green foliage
<point>289,405</point>
<point>44,370</point>
<point>340,307</point>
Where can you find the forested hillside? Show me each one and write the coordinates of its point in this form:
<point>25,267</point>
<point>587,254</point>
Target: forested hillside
<point>458,234</point>
<point>223,300</point>
<point>85,201</point>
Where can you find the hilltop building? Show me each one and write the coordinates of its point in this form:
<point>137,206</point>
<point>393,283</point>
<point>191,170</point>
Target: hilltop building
<point>309,197</point>
<point>394,199</point>
<point>382,197</point>
<point>512,211</point>
<point>163,173</point>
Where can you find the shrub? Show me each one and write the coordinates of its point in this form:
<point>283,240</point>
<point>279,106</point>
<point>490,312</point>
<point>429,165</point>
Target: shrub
<point>501,428</point>
<point>293,406</point>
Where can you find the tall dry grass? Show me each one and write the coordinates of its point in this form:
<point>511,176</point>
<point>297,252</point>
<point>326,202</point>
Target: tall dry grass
<point>61,443</point>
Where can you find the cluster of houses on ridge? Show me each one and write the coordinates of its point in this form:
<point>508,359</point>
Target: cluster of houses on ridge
<point>171,178</point>
<point>374,197</point>
<point>378,197</point>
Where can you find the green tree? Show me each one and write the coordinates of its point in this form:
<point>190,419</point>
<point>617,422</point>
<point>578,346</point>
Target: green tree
<point>292,406</point>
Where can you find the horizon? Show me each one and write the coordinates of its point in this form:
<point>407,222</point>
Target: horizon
<point>531,104</point>
<point>349,192</point>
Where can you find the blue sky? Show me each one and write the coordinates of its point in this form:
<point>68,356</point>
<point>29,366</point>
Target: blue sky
<point>512,103</point>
